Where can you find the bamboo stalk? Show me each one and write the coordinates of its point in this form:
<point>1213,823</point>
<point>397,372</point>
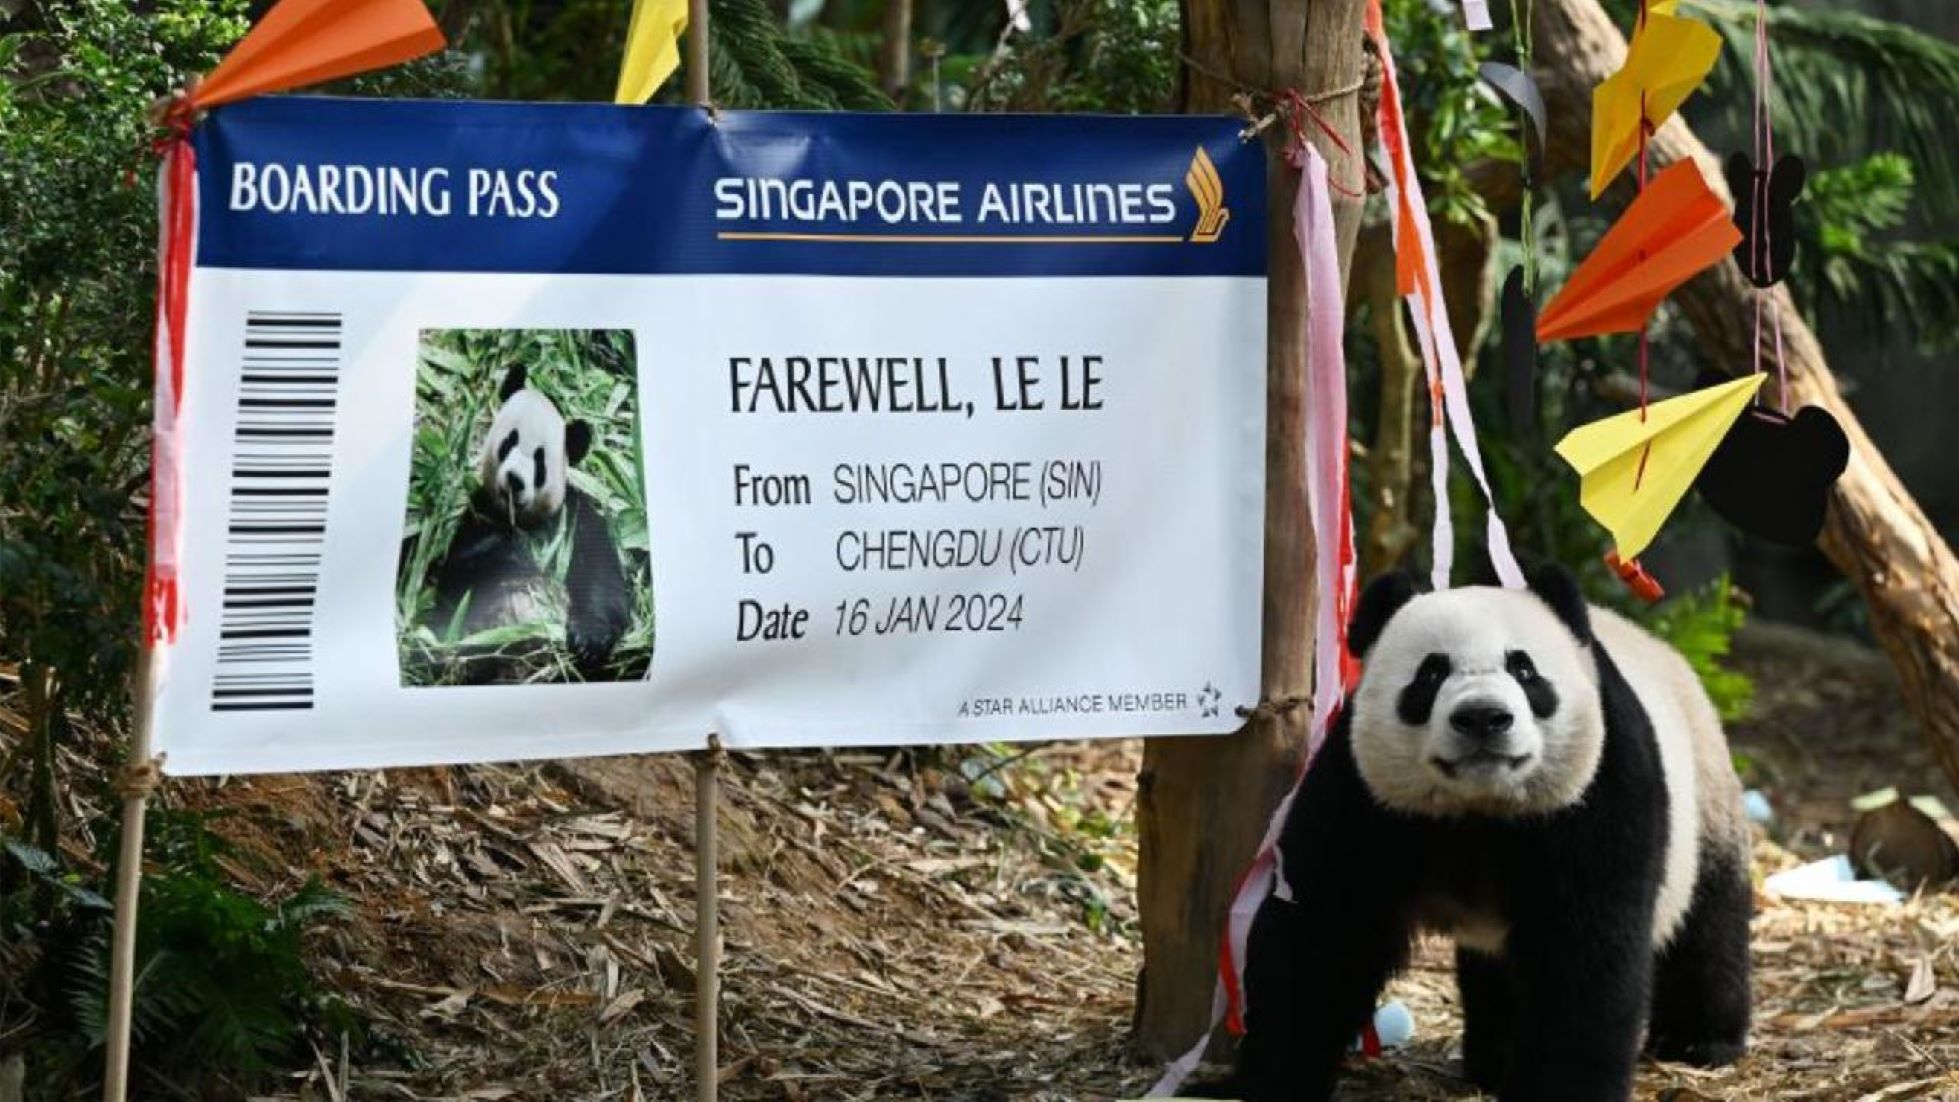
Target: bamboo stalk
<point>697,83</point>
<point>129,878</point>
<point>707,923</point>
<point>707,765</point>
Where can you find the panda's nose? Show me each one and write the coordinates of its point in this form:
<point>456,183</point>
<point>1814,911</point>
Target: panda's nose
<point>513,486</point>
<point>1482,722</point>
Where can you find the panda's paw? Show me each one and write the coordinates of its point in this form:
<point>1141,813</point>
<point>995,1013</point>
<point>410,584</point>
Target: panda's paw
<point>1225,1087</point>
<point>591,647</point>
<point>1700,1052</point>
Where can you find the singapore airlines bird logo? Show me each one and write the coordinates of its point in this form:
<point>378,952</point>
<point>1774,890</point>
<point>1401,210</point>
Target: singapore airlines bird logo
<point>1205,187</point>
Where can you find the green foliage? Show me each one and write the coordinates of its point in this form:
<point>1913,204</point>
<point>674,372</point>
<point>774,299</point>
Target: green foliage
<point>589,375</point>
<point>571,51</point>
<point>1858,270</point>
<point>1846,86</point>
<point>1114,56</point>
<point>755,62</point>
<point>1701,625</point>
<point>222,991</point>
<point>77,238</point>
<point>77,241</point>
<point>1454,119</point>
<point>221,979</point>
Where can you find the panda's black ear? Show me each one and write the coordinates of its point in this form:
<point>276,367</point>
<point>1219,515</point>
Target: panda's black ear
<point>1555,586</point>
<point>513,381</point>
<point>1382,598</point>
<point>578,441</point>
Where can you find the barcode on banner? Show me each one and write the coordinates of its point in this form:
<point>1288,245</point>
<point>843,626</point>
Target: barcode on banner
<point>281,461</point>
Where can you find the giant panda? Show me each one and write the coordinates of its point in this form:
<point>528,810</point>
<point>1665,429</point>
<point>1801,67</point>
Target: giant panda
<point>489,572</point>
<point>1550,785</point>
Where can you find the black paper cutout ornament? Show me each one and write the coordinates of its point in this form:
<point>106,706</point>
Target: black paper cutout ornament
<point>1520,88</point>
<point>1768,243</point>
<point>1518,316</point>
<point>1771,475</point>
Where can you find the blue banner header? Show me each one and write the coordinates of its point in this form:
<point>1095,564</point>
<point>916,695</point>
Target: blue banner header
<point>386,185</point>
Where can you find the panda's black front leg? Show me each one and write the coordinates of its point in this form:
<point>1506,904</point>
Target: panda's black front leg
<point>598,599</point>
<point>1487,1018</point>
<point>1582,990</point>
<point>1316,964</point>
<point>1580,945</point>
<point>1313,976</point>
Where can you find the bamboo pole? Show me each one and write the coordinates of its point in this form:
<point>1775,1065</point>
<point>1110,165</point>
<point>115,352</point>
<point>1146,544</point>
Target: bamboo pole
<point>697,60</point>
<point>707,924</point>
<point>138,781</point>
<point>707,765</point>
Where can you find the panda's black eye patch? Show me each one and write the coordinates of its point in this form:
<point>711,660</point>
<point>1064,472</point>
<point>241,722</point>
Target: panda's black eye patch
<point>1417,699</point>
<point>538,457</point>
<point>509,445</point>
<point>1543,698</point>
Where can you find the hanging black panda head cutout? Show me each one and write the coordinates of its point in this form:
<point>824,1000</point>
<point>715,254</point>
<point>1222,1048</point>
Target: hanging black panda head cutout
<point>1764,202</point>
<point>1771,474</point>
<point>1518,316</point>
<point>523,469</point>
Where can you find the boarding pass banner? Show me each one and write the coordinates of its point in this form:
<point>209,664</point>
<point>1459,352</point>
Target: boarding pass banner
<point>517,431</point>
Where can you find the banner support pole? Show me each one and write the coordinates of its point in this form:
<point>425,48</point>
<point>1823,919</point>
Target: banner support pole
<point>139,779</point>
<point>707,923</point>
<point>697,57</point>
<point>707,764</point>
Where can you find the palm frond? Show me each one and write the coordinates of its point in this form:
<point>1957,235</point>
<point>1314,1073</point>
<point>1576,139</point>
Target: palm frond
<point>1847,86</point>
<point>1858,272</point>
<point>754,62</point>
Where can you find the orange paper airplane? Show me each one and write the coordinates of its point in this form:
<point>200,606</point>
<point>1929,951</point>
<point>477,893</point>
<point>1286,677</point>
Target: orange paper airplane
<point>303,42</point>
<point>1673,230</point>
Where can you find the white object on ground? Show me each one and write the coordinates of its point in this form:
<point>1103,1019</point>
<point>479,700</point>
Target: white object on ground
<point>1394,1026</point>
<point>1831,880</point>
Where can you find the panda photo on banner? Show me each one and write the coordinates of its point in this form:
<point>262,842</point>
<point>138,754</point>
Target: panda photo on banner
<point>525,555</point>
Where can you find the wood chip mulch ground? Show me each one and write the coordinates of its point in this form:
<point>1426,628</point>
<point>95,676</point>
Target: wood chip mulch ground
<point>959,923</point>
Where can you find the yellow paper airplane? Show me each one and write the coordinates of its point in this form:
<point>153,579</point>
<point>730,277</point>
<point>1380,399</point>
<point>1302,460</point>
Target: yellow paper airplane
<point>1668,60</point>
<point>652,48</point>
<point>1633,471</point>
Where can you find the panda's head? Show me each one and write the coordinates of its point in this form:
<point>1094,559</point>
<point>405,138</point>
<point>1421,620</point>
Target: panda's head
<point>1476,700</point>
<point>521,469</point>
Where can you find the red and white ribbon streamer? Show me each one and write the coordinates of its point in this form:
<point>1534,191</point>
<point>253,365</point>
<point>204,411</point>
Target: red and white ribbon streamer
<point>1329,506</point>
<point>1421,283</point>
<point>176,240</point>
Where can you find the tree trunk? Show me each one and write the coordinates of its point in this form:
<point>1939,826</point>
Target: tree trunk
<point>1203,802</point>
<point>1876,534</point>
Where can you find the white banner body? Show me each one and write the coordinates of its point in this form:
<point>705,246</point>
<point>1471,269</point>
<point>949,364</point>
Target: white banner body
<point>519,431</point>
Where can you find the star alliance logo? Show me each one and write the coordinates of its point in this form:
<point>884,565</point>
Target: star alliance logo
<point>1208,699</point>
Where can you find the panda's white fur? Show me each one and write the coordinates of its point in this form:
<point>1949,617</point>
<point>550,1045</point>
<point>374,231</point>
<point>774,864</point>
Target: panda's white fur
<point>1704,795</point>
<point>1543,763</point>
<point>522,463</point>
